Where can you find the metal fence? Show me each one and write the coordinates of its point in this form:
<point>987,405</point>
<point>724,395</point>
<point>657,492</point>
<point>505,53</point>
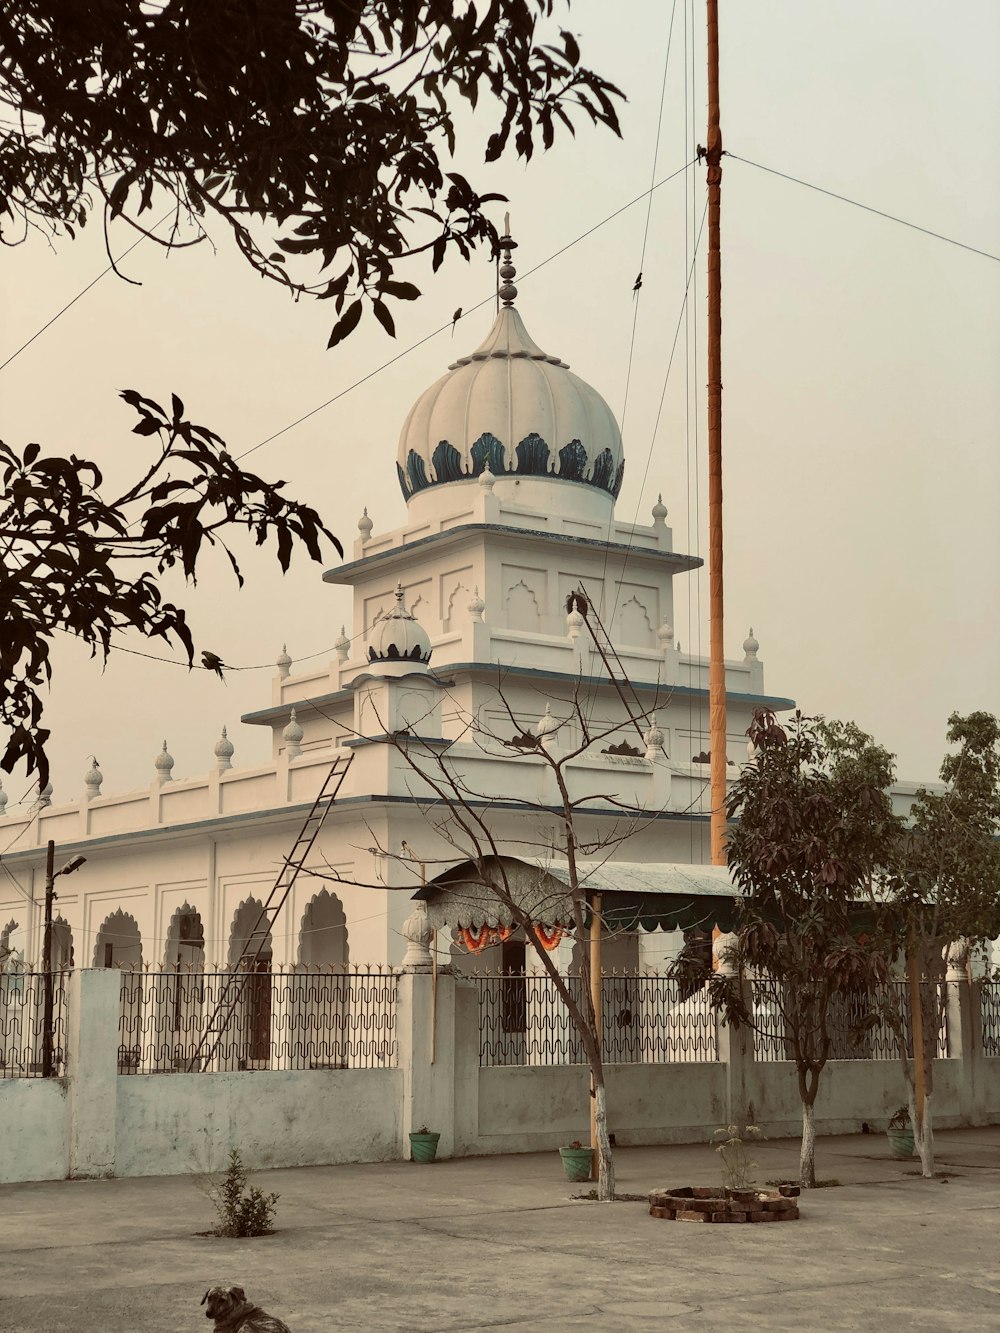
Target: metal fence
<point>335,1019</point>
<point>523,1020</point>
<point>989,1008</point>
<point>22,1023</point>
<point>851,1037</point>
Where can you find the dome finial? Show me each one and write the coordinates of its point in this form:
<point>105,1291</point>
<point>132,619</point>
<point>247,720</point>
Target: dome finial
<point>507,291</point>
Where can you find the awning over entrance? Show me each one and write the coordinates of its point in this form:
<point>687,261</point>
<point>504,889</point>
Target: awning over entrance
<point>634,894</point>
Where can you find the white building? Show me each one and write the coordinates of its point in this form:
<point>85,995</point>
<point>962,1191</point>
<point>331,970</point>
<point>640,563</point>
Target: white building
<point>510,466</point>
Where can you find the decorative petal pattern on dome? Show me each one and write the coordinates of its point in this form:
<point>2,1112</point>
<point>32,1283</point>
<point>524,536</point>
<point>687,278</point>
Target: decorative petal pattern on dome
<point>488,449</point>
<point>572,461</point>
<point>447,462</point>
<point>619,477</point>
<point>604,465</point>
<point>416,472</point>
<point>533,455</point>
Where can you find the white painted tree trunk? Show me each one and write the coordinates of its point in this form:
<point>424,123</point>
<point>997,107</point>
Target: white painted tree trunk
<point>605,1160</point>
<point>923,1138</point>
<point>807,1154</point>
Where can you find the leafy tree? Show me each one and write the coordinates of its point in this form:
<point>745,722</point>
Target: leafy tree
<point>329,120</point>
<point>77,563</point>
<point>811,823</point>
<point>941,890</point>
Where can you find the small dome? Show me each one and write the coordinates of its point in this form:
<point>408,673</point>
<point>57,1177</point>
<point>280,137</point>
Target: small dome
<point>93,778</point>
<point>399,636</point>
<point>510,409</point>
<point>163,763</point>
<point>659,509</point>
<point>750,644</point>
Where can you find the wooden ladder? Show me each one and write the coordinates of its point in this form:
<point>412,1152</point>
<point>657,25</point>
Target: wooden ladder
<point>236,980</point>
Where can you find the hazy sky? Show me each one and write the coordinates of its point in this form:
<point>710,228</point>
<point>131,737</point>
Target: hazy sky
<point>860,361</point>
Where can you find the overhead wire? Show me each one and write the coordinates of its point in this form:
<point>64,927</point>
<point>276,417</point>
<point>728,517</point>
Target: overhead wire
<point>867,208</point>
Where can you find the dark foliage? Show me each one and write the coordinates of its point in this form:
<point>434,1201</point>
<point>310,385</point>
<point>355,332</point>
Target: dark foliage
<point>328,120</point>
<point>77,563</point>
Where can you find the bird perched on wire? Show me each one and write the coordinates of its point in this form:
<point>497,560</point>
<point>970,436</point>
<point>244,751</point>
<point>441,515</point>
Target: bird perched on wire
<point>212,663</point>
<point>454,320</point>
<point>636,285</point>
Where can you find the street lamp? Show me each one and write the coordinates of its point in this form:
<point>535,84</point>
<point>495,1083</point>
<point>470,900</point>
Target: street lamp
<point>51,875</point>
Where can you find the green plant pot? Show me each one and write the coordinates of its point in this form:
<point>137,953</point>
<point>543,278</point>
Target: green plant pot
<point>423,1147</point>
<point>900,1141</point>
<point>577,1162</point>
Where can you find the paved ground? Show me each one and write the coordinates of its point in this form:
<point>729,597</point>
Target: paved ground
<point>498,1243</point>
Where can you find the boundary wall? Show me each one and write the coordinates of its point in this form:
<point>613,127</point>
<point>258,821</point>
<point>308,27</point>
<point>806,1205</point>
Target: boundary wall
<point>97,1122</point>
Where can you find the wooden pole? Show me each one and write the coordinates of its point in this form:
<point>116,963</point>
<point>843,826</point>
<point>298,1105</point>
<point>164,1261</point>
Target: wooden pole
<point>595,995</point>
<point>717,663</point>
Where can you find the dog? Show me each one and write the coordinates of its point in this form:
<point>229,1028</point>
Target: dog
<point>233,1313</point>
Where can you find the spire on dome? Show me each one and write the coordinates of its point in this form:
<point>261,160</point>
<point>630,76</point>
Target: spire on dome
<point>507,291</point>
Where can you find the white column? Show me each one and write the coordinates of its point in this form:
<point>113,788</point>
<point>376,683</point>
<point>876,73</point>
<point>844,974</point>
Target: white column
<point>92,1070</point>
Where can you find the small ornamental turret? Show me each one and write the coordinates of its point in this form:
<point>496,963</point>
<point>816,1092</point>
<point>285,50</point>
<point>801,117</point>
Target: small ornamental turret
<point>654,741</point>
<point>292,736</point>
<point>365,525</point>
<point>477,606</point>
<point>750,646</point>
<point>659,510</point>
<point>399,638</point>
<point>665,635</point>
<point>45,795</point>
<point>419,934</point>
<point>164,764</point>
<point>284,662</point>
<point>546,728</point>
<point>343,645</point>
<point>224,750</point>
<point>507,292</point>
<point>487,480</point>
<point>92,780</point>
<point>3,801</point>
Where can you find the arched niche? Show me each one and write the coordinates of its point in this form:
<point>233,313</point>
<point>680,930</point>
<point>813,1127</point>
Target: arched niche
<point>323,933</point>
<point>522,608</point>
<point>242,929</point>
<point>11,947</point>
<point>185,947</point>
<point>63,956</point>
<point>118,942</point>
<point>634,628</point>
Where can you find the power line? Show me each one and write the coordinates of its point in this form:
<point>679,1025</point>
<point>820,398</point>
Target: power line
<point>59,313</point>
<point>891,217</point>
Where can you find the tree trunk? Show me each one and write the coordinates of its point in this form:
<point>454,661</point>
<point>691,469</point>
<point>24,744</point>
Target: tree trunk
<point>807,1154</point>
<point>923,1137</point>
<point>605,1160</point>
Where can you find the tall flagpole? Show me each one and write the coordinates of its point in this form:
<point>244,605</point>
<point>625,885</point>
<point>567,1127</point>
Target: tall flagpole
<point>717,662</point>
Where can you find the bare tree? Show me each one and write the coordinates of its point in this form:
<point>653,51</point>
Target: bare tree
<point>465,818</point>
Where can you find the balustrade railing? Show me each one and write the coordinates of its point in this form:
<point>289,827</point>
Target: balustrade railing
<point>852,1037</point>
<point>22,1024</point>
<point>646,1019</point>
<point>333,1019</point>
<point>989,1008</point>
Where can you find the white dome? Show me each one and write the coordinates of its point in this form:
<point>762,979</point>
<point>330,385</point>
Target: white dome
<point>399,637</point>
<point>514,409</point>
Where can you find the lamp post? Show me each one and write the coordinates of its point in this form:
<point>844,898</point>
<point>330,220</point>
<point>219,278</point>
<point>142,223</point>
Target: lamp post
<point>51,874</point>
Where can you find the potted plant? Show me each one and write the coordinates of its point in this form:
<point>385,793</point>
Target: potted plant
<point>577,1160</point>
<point>899,1132</point>
<point>423,1145</point>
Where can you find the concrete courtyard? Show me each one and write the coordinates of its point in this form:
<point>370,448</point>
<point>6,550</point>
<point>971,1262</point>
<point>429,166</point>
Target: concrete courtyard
<point>498,1243</point>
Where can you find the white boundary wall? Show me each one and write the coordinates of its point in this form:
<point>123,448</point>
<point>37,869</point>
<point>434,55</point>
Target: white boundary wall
<point>97,1122</point>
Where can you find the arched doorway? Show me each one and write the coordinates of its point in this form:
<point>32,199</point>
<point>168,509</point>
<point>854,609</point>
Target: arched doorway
<point>119,944</point>
<point>179,997</point>
<point>247,1044</point>
<point>63,956</point>
<point>319,992</point>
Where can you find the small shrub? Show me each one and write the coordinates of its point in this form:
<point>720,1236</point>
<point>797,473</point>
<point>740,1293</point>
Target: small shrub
<point>737,1164</point>
<point>900,1119</point>
<point>243,1210</point>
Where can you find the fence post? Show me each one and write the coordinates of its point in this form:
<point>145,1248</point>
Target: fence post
<point>425,1024</point>
<point>92,1070</point>
<point>735,1044</point>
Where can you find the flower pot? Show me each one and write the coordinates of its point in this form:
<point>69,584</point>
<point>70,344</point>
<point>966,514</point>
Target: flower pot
<point>577,1162</point>
<point>901,1141</point>
<point>423,1147</point>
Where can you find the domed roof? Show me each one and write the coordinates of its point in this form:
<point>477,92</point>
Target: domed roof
<point>399,636</point>
<point>513,408</point>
